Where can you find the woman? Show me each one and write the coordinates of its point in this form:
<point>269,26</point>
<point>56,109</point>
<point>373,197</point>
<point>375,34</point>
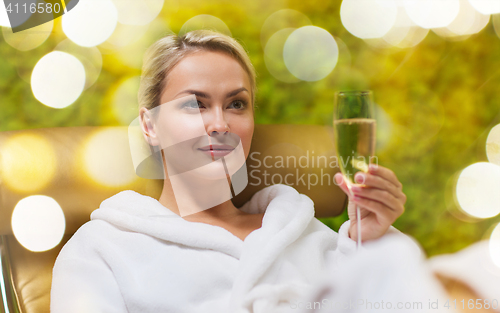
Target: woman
<point>192,250</point>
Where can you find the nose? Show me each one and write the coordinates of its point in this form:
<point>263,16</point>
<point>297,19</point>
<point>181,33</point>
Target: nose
<point>216,122</point>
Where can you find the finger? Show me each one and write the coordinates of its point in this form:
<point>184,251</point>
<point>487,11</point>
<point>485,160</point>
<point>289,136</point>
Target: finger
<point>385,173</point>
<point>352,213</point>
<point>384,215</point>
<point>378,182</point>
<point>342,183</point>
<point>382,196</point>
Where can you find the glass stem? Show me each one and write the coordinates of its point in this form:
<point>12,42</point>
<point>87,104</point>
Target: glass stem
<point>358,216</point>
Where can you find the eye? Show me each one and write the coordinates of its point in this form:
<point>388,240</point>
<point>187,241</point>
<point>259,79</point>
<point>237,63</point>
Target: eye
<point>238,105</point>
<point>193,105</point>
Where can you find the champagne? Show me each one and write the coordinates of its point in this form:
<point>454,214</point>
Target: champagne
<point>355,140</point>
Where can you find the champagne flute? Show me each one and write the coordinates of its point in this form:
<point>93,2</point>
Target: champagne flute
<point>355,126</point>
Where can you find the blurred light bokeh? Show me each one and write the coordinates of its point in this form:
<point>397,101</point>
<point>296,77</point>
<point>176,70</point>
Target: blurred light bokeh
<point>138,12</point>
<point>493,145</point>
<point>205,21</point>
<point>91,22</point>
<point>477,188</point>
<point>433,67</point>
<point>105,158</point>
<point>486,6</point>
<point>432,14</point>
<point>4,18</point>
<point>310,53</point>
<point>30,40</point>
<point>378,17</point>
<point>58,79</point>
<point>495,245</point>
<point>28,163</point>
<point>90,58</point>
<point>38,223</point>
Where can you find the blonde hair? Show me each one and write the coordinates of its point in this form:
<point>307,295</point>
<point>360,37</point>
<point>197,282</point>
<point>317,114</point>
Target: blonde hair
<point>164,54</point>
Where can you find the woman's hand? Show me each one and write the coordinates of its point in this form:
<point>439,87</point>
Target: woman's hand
<point>379,194</point>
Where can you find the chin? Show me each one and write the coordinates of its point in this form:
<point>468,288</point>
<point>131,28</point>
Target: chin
<point>212,171</point>
<point>216,170</point>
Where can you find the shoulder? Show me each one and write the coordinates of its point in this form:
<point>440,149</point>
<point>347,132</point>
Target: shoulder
<point>129,201</point>
<point>115,225</point>
<point>87,240</point>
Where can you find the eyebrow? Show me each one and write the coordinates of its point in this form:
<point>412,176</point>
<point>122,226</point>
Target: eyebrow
<point>202,94</point>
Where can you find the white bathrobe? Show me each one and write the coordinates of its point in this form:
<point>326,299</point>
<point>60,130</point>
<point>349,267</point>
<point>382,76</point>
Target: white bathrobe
<point>137,256</point>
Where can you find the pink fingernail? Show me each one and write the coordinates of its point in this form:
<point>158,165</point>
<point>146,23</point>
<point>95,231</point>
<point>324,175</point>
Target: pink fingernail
<point>338,179</point>
<point>373,167</point>
<point>359,178</point>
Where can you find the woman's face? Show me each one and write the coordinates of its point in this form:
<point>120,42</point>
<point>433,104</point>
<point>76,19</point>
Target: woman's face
<point>206,93</point>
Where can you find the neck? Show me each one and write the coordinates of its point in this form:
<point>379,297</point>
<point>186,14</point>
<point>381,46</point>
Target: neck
<point>192,197</point>
<point>222,210</point>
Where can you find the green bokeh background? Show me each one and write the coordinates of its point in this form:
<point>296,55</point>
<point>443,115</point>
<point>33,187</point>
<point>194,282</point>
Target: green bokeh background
<point>440,99</point>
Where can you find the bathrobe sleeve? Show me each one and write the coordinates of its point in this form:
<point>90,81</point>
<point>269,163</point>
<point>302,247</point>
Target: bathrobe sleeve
<point>346,246</point>
<point>83,282</point>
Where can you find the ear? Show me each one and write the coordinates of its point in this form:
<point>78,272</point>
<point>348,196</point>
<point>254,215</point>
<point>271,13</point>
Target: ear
<point>148,127</point>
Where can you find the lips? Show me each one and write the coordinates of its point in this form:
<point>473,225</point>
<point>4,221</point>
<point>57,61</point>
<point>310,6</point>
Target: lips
<point>216,150</point>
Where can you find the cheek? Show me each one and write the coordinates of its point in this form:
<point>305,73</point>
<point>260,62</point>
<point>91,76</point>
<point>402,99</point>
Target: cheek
<point>177,128</point>
<point>244,129</point>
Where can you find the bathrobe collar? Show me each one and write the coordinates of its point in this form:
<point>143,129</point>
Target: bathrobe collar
<point>286,214</point>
